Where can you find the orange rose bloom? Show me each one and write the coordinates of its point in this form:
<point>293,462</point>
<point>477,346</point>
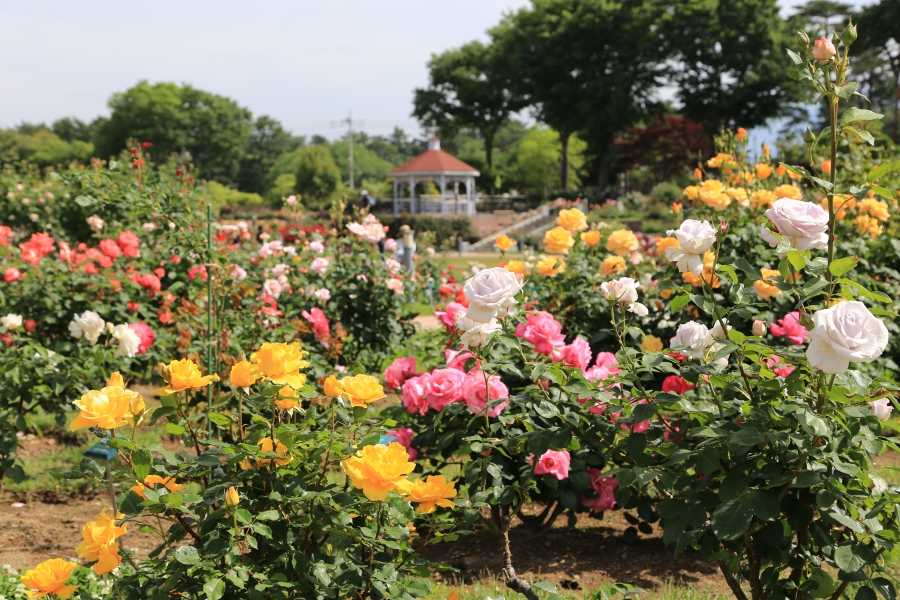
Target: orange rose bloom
<point>868,225</point>
<point>612,264</point>
<point>741,134</point>
<point>622,242</point>
<point>99,544</point>
<point>572,220</point>
<point>591,238</point>
<point>288,400</point>
<point>266,446</point>
<point>503,242</point>
<point>151,481</point>
<point>50,577</point>
<point>361,390</point>
<point>762,198</point>
<point>379,470</point>
<point>875,208</point>
<point>332,387</point>
<point>431,493</point>
<point>558,241</point>
<point>663,243</point>
<point>788,191</point>
<point>517,266</point>
<point>183,375</point>
<point>765,288</point>
<point>550,266</point>
<point>763,171</point>
<point>244,374</point>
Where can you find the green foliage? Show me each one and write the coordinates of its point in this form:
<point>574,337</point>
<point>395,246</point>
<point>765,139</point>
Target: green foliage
<point>446,230</point>
<point>366,163</point>
<point>268,141</point>
<point>43,148</point>
<point>219,195</point>
<point>318,177</point>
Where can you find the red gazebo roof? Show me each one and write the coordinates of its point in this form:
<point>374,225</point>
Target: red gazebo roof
<point>434,160</point>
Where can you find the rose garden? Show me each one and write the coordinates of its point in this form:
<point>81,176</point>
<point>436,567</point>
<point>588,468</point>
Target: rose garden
<point>267,413</point>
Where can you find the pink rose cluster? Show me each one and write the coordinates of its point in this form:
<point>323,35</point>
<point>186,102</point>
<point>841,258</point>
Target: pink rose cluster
<point>320,326</point>
<point>441,387</point>
<point>790,328</point>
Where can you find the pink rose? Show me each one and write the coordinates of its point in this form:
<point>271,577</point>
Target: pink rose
<point>110,248</point>
<point>129,244</point>
<point>803,224</point>
<point>12,274</point>
<point>317,247</point>
<point>640,427</point>
<point>319,265</point>
<point>783,370</point>
<point>444,387</point>
<point>150,283</point>
<point>604,486</point>
<point>448,316</point>
<point>674,383</point>
<point>474,391</point>
<point>146,335</point>
<point>399,371</point>
<point>823,49</point>
<point>791,328</point>
<point>552,462</point>
<point>456,359</point>
<point>404,436</point>
<point>578,353</point>
<point>413,393</point>
<point>542,330</point>
<point>319,322</point>
<point>597,408</point>
<point>607,359</point>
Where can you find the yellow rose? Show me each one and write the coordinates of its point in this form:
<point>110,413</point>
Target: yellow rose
<point>182,375</point>
<point>788,191</point>
<point>762,198</point>
<point>517,266</point>
<point>151,481</point>
<point>612,264</point>
<point>281,363</point>
<point>109,408</point>
<point>99,543</point>
<point>431,493</point>
<point>572,220</point>
<point>651,343</point>
<point>550,266</point>
<point>868,225</point>
<point>739,195</point>
<point>50,577</point>
<point>333,387</point>
<point>763,171</point>
<point>288,400</point>
<point>622,242</point>
<point>558,241</point>
<point>361,390</point>
<point>244,374</point>
<point>712,194</point>
<point>116,380</point>
<point>663,243</point>
<point>692,192</point>
<point>231,498</point>
<point>378,470</point>
<point>875,208</point>
<point>590,238</point>
<point>765,287</point>
<point>720,160</point>
<point>503,242</point>
<point>266,446</point>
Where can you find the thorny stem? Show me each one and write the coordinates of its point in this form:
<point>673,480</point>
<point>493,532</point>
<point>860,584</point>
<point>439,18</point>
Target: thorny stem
<point>512,581</point>
<point>372,552</point>
<point>620,335</point>
<point>732,582</point>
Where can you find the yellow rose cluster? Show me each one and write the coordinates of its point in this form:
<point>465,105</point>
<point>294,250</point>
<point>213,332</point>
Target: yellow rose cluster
<point>109,408</point>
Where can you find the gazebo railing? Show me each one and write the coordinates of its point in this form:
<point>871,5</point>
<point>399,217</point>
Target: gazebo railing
<point>446,204</point>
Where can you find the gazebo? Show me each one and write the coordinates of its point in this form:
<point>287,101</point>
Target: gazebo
<point>441,168</point>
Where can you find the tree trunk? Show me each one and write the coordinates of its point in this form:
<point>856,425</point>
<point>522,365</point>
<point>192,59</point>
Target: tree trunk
<point>564,159</point>
<point>603,175</point>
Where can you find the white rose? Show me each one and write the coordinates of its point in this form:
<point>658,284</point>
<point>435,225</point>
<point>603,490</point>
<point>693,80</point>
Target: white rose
<point>845,332</point>
<point>88,324</point>
<point>695,337</point>
<point>272,287</point>
<point>490,293</point>
<point>322,294</point>
<point>129,342</point>
<point>694,239</point>
<point>802,224</point>
<point>623,289</point>
<point>11,321</point>
<point>882,409</point>
<point>475,333</point>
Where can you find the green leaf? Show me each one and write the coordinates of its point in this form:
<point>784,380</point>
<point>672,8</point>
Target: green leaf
<point>752,272</point>
<point>882,170</point>
<point>794,56</point>
<point>884,193</point>
<point>142,459</point>
<point>852,557</point>
<point>764,505</point>
<point>858,114</point>
<point>214,589</point>
<point>175,429</point>
<point>544,586</point>
<point>861,291</point>
<point>187,555</point>
<point>730,520</point>
<point>744,439</point>
<point>679,301</point>
<point>843,265</point>
<point>130,503</point>
<point>864,135</point>
<point>269,515</point>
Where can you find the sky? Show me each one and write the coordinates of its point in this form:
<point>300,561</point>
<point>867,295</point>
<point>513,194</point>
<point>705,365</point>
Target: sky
<point>305,63</point>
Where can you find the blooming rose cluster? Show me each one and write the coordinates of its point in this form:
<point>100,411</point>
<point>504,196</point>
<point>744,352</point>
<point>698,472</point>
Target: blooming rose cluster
<point>490,294</point>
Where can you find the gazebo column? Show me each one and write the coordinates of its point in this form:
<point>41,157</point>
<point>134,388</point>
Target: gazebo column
<point>470,196</point>
<point>456,197</point>
<point>412,195</point>
<point>396,202</point>
<point>443,184</point>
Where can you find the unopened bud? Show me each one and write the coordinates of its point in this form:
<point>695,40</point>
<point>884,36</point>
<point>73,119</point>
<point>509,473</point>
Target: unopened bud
<point>724,226</point>
<point>849,34</point>
<point>231,498</point>
<point>759,328</point>
<point>802,40</point>
<point>823,50</point>
<point>809,137</point>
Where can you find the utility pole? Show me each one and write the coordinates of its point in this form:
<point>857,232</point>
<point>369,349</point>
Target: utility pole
<point>349,122</point>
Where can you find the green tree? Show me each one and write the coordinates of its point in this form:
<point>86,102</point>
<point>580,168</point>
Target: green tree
<point>209,130</point>
<point>70,129</point>
<point>318,177</point>
<point>817,15</point>
<point>268,140</point>
<point>469,87</point>
<point>732,62</point>
<point>881,39</point>
<point>366,163</point>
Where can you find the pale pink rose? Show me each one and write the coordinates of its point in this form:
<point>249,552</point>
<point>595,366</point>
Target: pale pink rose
<point>694,239</point>
<point>846,332</point>
<point>413,394</point>
<point>404,436</point>
<point>803,224</point>
<point>395,285</point>
<point>552,462</point>
<point>322,294</point>
<point>542,330</point>
<point>280,270</point>
<point>448,316</point>
<point>444,387</point>
<point>399,371</point>
<point>390,244</point>
<point>456,359</point>
<point>393,266</point>
<point>605,488</point>
<point>781,369</point>
<point>317,247</point>
<point>882,408</point>
<point>474,393</point>
<point>790,328</point>
<point>238,273</point>
<point>319,265</point>
<point>491,292</point>
<point>759,328</point>
<point>823,49</point>
<point>272,287</point>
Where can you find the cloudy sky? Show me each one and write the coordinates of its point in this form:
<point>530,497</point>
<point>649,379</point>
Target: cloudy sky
<point>305,63</point>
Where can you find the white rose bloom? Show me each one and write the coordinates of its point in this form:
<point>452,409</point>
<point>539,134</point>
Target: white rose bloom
<point>803,225</point>
<point>272,287</point>
<point>845,332</point>
<point>88,324</point>
<point>695,336</point>
<point>882,409</point>
<point>638,309</point>
<point>490,293</point>
<point>475,333</point>
<point>717,331</point>
<point>129,342</point>
<point>11,321</point>
<point>623,289</point>
<point>694,238</point>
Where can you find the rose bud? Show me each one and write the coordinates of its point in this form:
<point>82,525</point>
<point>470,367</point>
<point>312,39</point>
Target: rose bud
<point>823,50</point>
<point>802,40</point>
<point>759,328</point>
